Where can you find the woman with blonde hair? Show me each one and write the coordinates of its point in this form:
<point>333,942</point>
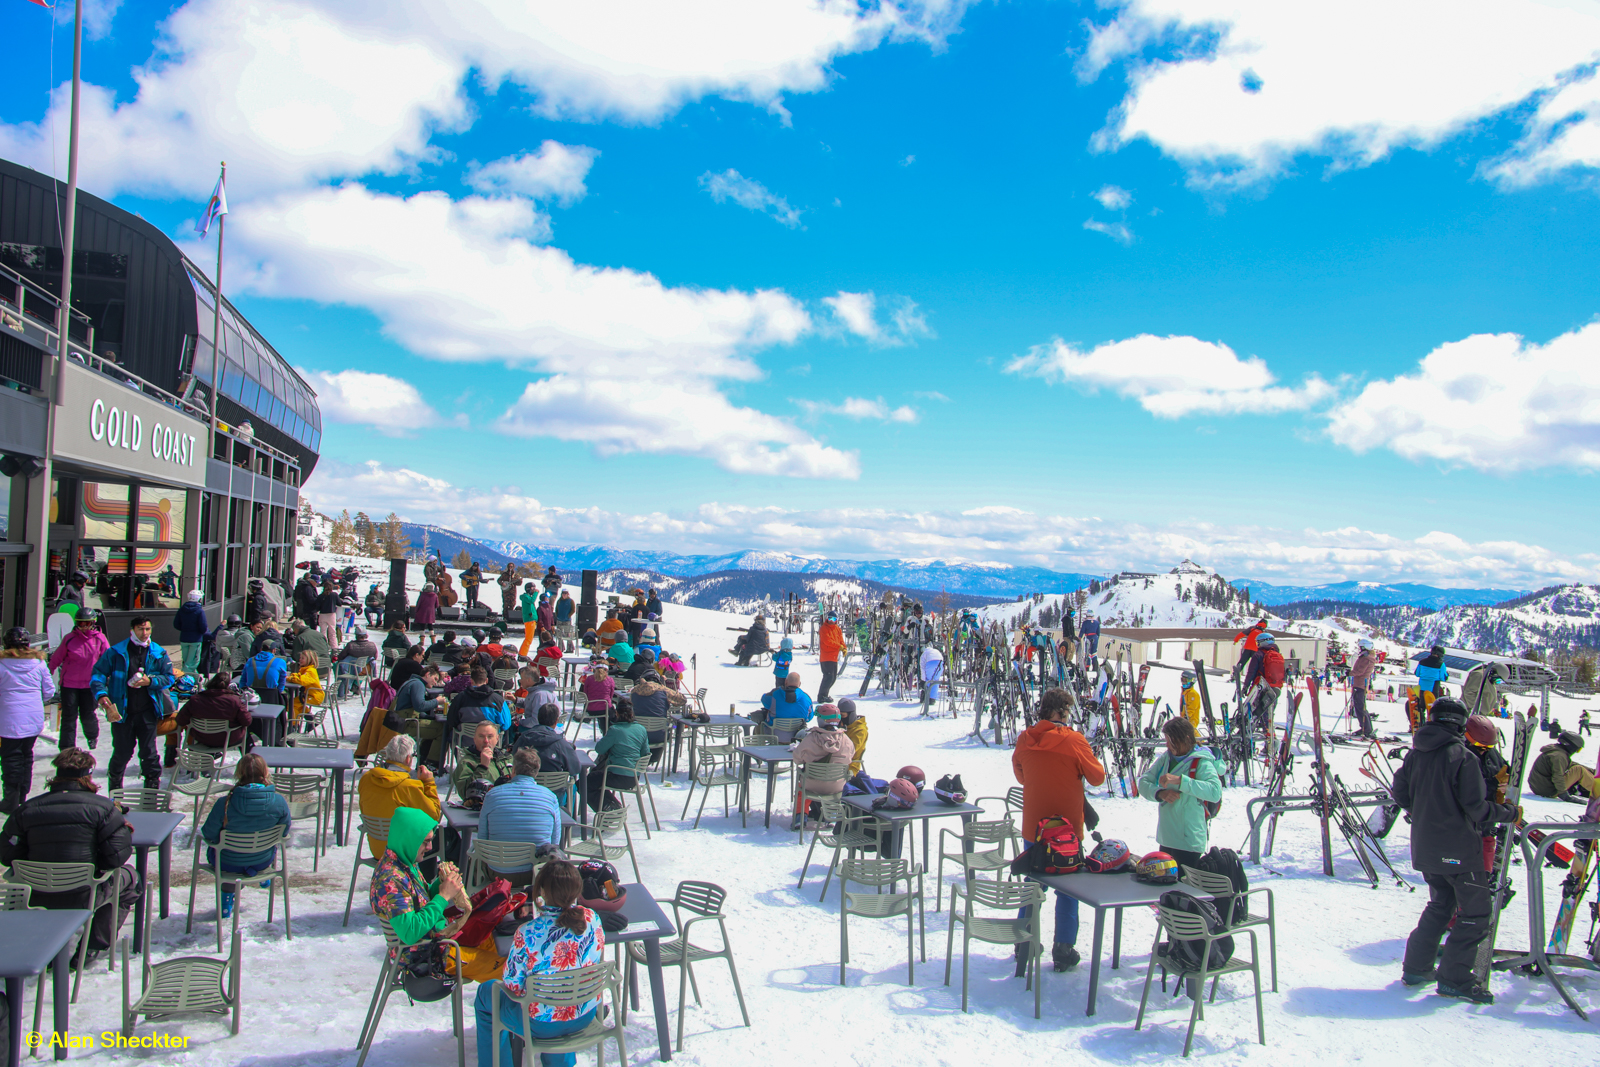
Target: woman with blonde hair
<point>250,807</point>
<point>305,676</point>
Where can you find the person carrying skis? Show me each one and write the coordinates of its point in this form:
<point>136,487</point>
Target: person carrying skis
<point>1441,785</point>
<point>1189,699</point>
<point>1249,637</point>
<point>1360,680</point>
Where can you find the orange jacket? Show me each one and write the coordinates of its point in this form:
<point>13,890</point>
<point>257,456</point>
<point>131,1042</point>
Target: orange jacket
<point>1052,762</point>
<point>832,641</point>
<point>1249,636</point>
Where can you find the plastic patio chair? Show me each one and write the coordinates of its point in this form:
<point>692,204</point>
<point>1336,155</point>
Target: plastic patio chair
<point>306,796</point>
<point>970,860</point>
<point>703,901</point>
<point>562,784</point>
<point>640,789</point>
<point>389,982</point>
<point>563,989</point>
<point>1183,925</point>
<point>185,985</point>
<point>504,679</point>
<point>488,860</point>
<point>138,798</point>
<point>711,771</point>
<point>595,848</point>
<point>212,726</point>
<point>1008,897</point>
<point>656,724</point>
<point>199,775</point>
<point>841,829</point>
<point>370,828</point>
<point>1220,889</point>
<point>247,843</point>
<point>816,772</point>
<point>881,874</point>
<point>785,729</point>
<point>43,877</point>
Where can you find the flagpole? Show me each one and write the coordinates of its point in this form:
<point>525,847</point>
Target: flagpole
<point>216,315</point>
<point>72,203</point>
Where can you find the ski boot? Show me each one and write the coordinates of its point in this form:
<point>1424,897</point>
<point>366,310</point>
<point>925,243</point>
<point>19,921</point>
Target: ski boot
<point>1470,990</point>
<point>1065,957</point>
<point>1432,974</point>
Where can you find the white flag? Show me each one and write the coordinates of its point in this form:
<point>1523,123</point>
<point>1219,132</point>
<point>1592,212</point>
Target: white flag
<point>215,207</point>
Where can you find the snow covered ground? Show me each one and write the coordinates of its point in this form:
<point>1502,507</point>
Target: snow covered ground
<point>1340,998</point>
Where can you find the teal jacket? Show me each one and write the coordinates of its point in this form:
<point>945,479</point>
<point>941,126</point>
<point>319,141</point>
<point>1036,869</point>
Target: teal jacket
<point>1182,824</point>
<point>110,677</point>
<point>623,746</point>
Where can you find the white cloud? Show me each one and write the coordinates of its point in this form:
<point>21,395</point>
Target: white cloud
<point>984,534</point>
<point>1256,82</point>
<point>390,405</point>
<point>1171,376</point>
<point>749,193</point>
<point>1564,134</point>
<point>1491,401</point>
<point>933,395</point>
<point>1114,230</point>
<point>856,407</point>
<point>1113,198</point>
<point>857,313</point>
<point>555,172</point>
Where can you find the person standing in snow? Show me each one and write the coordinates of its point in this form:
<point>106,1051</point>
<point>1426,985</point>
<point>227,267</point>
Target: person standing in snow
<point>1189,699</point>
<point>931,665</point>
<point>1441,785</point>
<point>1184,781</point>
<point>1360,680</point>
<point>1267,668</point>
<point>1091,633</point>
<point>1249,638</point>
<point>830,644</point>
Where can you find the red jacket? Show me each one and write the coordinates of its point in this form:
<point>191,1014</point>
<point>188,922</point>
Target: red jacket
<point>832,642</point>
<point>1249,636</point>
<point>1052,762</point>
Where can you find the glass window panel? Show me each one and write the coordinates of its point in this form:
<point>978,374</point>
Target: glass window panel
<point>249,393</point>
<point>105,511</point>
<point>162,513</point>
<point>232,379</point>
<point>107,569</point>
<point>64,502</point>
<point>156,576</point>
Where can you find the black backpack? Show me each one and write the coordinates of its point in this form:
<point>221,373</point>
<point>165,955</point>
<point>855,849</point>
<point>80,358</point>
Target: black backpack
<point>1186,951</point>
<point>1226,861</point>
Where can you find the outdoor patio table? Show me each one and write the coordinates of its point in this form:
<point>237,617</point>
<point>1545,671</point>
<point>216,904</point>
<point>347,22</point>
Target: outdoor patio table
<point>693,726</point>
<point>270,718</point>
<point>464,821</point>
<point>1103,893</point>
<point>152,829</point>
<point>771,755</point>
<point>337,760</point>
<point>648,922</point>
<point>29,940</point>
<point>927,808</point>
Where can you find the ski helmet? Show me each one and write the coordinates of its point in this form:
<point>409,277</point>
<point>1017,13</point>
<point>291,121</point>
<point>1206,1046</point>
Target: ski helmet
<point>472,796</point>
<point>1109,855</point>
<point>1450,712</point>
<point>1481,732</point>
<point>913,774</point>
<point>1569,741</point>
<point>1365,642</point>
<point>1266,640</point>
<point>1186,679</point>
<point>1156,868</point>
<point>902,794</point>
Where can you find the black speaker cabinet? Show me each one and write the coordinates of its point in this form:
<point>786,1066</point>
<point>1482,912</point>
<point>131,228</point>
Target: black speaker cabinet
<point>588,605</point>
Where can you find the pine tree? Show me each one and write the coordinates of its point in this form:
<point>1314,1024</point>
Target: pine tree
<point>395,542</point>
<point>342,538</point>
<point>461,561</point>
<point>366,535</point>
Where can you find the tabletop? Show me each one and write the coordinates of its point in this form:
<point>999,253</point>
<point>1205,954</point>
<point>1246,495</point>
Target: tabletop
<point>308,759</point>
<point>468,818</point>
<point>29,940</point>
<point>646,918</point>
<point>267,711</point>
<point>1108,890</point>
<point>768,753</point>
<point>928,806</point>
<point>718,720</point>
<point>151,828</point>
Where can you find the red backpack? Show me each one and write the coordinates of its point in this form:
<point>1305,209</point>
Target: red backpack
<point>1059,849</point>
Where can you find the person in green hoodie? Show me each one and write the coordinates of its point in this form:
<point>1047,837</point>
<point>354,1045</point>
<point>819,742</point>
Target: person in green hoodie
<point>415,907</point>
<point>1183,780</point>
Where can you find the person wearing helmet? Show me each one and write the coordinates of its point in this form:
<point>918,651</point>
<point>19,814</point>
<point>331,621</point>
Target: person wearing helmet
<point>1555,774</point>
<point>72,593</point>
<point>1266,674</point>
<point>75,658</point>
<point>830,653</point>
<point>1052,762</point>
<point>1360,680</point>
<point>1441,786</point>
<point>1189,699</point>
<point>1432,672</point>
<point>1249,638</point>
<point>1480,692</point>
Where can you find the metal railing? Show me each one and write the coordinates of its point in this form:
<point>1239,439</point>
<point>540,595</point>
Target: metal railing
<point>37,311</point>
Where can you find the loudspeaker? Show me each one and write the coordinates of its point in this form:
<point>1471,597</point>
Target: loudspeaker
<point>397,575</point>
<point>27,466</point>
<point>588,606</point>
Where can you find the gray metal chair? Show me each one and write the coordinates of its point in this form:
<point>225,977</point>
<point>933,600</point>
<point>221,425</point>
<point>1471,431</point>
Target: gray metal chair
<point>307,797</point>
<point>711,772</point>
<point>879,875</point>
<point>841,829</point>
<point>137,798</point>
<point>594,846</point>
<point>561,783</point>
<point>702,900</point>
<point>199,776</point>
<point>656,724</point>
<point>389,981</point>
<point>640,790</point>
<point>972,861</point>
<point>245,844</point>
<point>103,889</point>
<point>785,729</point>
<point>1188,926</point>
<point>185,985</point>
<point>1229,903</point>
<point>374,828</point>
<point>1008,897</point>
<point>488,860</point>
<point>568,989</point>
<point>816,772</point>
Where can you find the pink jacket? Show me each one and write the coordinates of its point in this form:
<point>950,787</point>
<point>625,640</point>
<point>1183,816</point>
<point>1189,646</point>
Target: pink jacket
<point>598,690</point>
<point>75,657</point>
<point>825,746</point>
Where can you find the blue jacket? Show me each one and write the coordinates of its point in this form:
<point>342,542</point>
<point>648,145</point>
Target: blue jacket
<point>1427,676</point>
<point>781,708</point>
<point>264,671</point>
<point>520,810</point>
<point>110,678</point>
<point>191,623</point>
<point>248,809</point>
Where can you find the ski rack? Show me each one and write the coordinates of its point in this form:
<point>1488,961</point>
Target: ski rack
<point>1280,803</point>
<point>1536,962</point>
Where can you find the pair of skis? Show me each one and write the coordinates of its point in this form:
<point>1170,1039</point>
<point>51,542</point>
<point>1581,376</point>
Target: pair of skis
<point>1580,872</point>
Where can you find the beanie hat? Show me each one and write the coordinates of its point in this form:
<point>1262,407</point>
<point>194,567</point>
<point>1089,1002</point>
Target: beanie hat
<point>827,715</point>
<point>847,706</point>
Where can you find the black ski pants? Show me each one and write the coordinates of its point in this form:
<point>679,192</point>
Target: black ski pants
<point>16,767</point>
<point>1465,896</point>
<point>830,671</point>
<point>1358,708</point>
<point>78,705</point>
<point>134,730</point>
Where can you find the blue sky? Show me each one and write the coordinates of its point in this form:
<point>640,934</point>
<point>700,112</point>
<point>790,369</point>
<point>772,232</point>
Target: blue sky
<point>1146,280</point>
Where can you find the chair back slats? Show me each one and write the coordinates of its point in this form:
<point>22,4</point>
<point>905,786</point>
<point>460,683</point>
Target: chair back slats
<point>208,726</point>
<point>787,726</point>
<point>1003,895</point>
<point>53,877</point>
<point>504,855</point>
<point>702,898</point>
<point>610,820</point>
<point>137,798</point>
<point>259,841</point>
<point>569,988</point>
<point>312,741</point>
<point>874,872</point>
<point>827,772</point>
<point>186,984</point>
<point>1183,925</point>
<point>1209,883</point>
<point>374,827</point>
<point>555,781</point>
<point>988,832</point>
<point>14,896</point>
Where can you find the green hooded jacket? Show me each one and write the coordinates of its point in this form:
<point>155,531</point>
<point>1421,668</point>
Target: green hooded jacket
<point>407,830</point>
<point>1182,824</point>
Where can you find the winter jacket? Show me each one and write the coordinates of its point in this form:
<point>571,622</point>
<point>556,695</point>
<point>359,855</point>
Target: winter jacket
<point>399,893</point>
<point>385,790</point>
<point>1052,762</point>
<point>652,606</point>
<point>623,746</point>
<point>110,677</point>
<point>1361,671</point>
<point>530,608</point>
<point>313,641</point>
<point>327,601</point>
<point>609,632</point>
<point>598,690</point>
<point>70,824</point>
<point>1441,785</point>
<point>475,704</point>
<point>1431,671</point>
<point>1249,636</point>
<point>824,746</point>
<point>756,639</point>
<point>556,753</point>
<point>1182,823</point>
<point>653,699</point>
<point>564,608</point>
<point>248,809</point>
<point>831,642</point>
<point>76,656</point>
<point>1189,705</point>
<point>190,620</point>
<point>264,671</point>
<point>358,649</point>
<point>24,687</point>
<point>427,609</point>
<point>786,703</point>
<point>374,600</point>
<point>310,687</point>
<point>398,640</point>
<point>856,730</point>
<point>412,700</point>
<point>1266,666</point>
<point>1481,696</point>
<point>520,810</point>
<point>545,616</point>
<point>469,768</point>
<point>1091,628</point>
<point>224,704</point>
<point>1549,767</point>
<point>621,653</point>
<point>781,660</point>
<point>242,646</point>
<point>305,600</point>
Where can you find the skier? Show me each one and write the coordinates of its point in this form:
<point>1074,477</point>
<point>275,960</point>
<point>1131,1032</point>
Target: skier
<point>1441,785</point>
<point>1189,699</point>
<point>830,641</point>
<point>1432,672</point>
<point>932,665</point>
<point>1091,632</point>
<point>1266,667</point>
<point>1360,679</point>
<point>1554,774</point>
<point>1249,637</point>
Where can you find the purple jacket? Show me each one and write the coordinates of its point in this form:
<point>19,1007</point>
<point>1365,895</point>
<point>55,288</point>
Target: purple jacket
<point>427,609</point>
<point>76,655</point>
<point>24,687</point>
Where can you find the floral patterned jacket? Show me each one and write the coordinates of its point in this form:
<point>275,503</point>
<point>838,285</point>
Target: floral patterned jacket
<point>542,947</point>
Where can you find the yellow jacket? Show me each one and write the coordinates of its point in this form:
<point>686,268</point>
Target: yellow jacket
<point>310,688</point>
<point>383,789</point>
<point>1189,704</point>
<point>857,731</point>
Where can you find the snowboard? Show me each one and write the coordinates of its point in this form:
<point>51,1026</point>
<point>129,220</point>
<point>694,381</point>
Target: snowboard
<point>1579,874</point>
<point>1500,877</point>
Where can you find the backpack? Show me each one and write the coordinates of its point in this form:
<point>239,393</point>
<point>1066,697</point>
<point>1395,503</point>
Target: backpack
<point>1056,847</point>
<point>1185,952</point>
<point>1211,806</point>
<point>490,905</point>
<point>1226,861</point>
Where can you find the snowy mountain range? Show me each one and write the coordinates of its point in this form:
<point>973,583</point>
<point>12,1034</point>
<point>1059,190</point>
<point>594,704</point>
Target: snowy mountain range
<point>746,592</point>
<point>1422,596</point>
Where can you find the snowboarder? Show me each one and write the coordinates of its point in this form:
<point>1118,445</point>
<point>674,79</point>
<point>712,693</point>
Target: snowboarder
<point>1554,774</point>
<point>1441,785</point>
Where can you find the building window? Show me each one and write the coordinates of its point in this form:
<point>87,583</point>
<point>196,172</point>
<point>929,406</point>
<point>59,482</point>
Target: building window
<point>105,511</point>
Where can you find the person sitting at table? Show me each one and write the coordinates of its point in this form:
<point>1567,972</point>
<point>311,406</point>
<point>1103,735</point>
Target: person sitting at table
<point>1052,761</point>
<point>409,663</point>
<point>73,823</point>
<point>392,787</point>
<point>826,744</point>
<point>651,699</point>
<point>414,906</point>
<point>265,672</point>
<point>621,655</point>
<point>855,725</point>
<point>643,660</point>
<point>788,701</point>
<point>563,935</point>
<point>493,645</point>
<point>244,643</point>
<point>752,642</point>
<point>250,807</point>
<point>521,809</point>
<point>548,656</point>
<point>616,755</point>
<point>598,689</point>
<point>610,631</point>
<point>459,680</point>
<point>483,758</point>
<point>305,676</point>
<point>556,753</point>
<point>445,646</point>
<point>305,638</point>
<point>396,638</point>
<point>477,702</point>
<point>218,700</point>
